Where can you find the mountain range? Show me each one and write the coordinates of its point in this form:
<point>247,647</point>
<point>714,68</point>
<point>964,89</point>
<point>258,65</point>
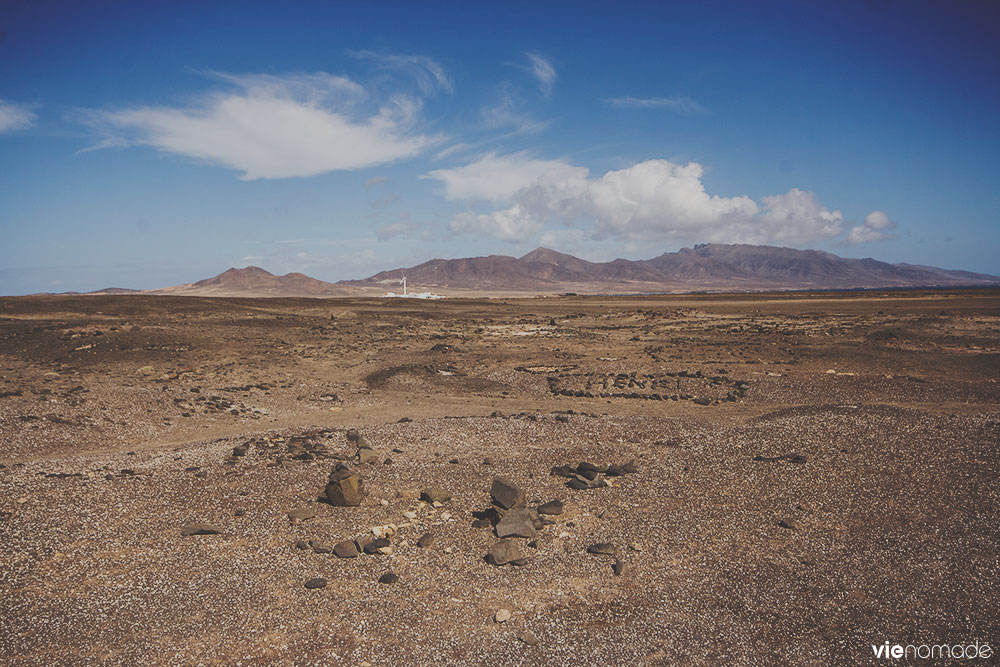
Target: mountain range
<point>705,267</point>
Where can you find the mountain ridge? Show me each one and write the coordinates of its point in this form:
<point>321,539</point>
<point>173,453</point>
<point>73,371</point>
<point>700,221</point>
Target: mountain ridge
<point>704,267</point>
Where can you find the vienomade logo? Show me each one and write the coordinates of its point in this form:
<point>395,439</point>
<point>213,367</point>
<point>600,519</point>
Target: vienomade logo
<point>887,650</point>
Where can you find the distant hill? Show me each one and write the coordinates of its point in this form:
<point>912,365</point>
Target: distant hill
<point>255,281</point>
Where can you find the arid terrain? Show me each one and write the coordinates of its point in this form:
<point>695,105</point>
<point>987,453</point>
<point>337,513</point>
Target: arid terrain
<point>793,478</point>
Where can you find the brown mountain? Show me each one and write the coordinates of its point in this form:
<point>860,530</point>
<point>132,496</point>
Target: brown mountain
<point>255,281</point>
<point>704,267</point>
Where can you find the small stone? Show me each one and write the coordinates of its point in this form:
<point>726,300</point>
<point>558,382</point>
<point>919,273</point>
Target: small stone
<point>502,616</point>
<point>302,514</point>
<point>603,548</point>
<point>388,578</point>
<point>488,461</point>
<point>240,450</point>
<point>505,494</point>
<point>321,547</point>
<point>376,545</point>
<point>426,540</point>
<point>435,494</point>
<point>318,582</point>
<point>528,637</point>
<point>366,455</point>
<point>630,468</point>
<point>445,516</point>
<point>481,523</point>
<point>302,544</point>
<point>410,514</point>
<point>578,483</point>
<point>383,502</point>
<point>346,549</point>
<point>789,524</point>
<point>453,461</point>
<point>562,418</point>
<point>618,568</point>
<point>199,529</point>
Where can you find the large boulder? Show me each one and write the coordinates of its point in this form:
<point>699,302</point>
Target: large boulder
<point>344,489</point>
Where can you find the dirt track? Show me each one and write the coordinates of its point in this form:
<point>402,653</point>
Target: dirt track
<point>119,415</point>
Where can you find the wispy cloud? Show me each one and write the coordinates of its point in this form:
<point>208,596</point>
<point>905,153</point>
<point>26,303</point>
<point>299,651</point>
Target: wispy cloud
<point>543,70</point>
<point>427,72</point>
<point>679,104</point>
<point>15,117</point>
<point>268,126</point>
<point>507,113</point>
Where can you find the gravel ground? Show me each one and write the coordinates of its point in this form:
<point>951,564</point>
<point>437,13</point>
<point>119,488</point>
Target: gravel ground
<point>814,515</point>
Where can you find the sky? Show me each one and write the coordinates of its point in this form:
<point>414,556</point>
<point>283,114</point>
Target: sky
<point>146,144</point>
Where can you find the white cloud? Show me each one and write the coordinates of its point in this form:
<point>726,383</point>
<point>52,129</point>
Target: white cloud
<point>649,201</point>
<point>875,228</point>
<point>498,178</point>
<point>679,104</point>
<point>542,69</point>
<point>428,73</point>
<point>15,117</point>
<point>277,127</point>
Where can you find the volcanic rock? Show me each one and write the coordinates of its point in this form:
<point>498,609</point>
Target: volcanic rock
<point>503,552</point>
<point>552,508</point>
<point>344,489</point>
<point>505,494</point>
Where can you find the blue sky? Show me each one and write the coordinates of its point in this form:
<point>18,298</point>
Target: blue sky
<point>144,144</point>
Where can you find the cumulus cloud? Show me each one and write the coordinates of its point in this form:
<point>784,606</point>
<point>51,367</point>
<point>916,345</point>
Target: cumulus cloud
<point>649,201</point>
<point>427,72</point>
<point>543,71</point>
<point>875,228</point>
<point>679,104</point>
<point>15,117</point>
<point>277,126</point>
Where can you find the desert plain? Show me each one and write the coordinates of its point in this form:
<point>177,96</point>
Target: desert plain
<point>784,478</point>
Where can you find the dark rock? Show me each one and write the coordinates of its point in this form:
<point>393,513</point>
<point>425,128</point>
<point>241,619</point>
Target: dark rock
<point>505,494</point>
<point>562,418</point>
<point>630,468</point>
<point>516,523</point>
<point>789,524</point>
<point>373,546</point>
<point>603,548</point>
<point>552,508</point>
<point>481,523</point>
<point>453,461</point>
<point>199,529</point>
<point>703,401</point>
<point>432,494</point>
<point>240,450</point>
<point>302,544</point>
<point>388,578</point>
<point>487,461</point>
<point>353,435</point>
<point>563,471</point>
<point>387,462</point>
<point>346,549</point>
<point>578,483</point>
<point>320,547</point>
<point>589,475</point>
<point>618,568</point>
<point>318,582</point>
<point>404,420</point>
<point>344,489</point>
<point>503,552</point>
<point>426,540</point>
<point>239,512</point>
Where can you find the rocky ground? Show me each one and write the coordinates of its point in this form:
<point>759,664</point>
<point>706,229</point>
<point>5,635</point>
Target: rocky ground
<point>742,479</point>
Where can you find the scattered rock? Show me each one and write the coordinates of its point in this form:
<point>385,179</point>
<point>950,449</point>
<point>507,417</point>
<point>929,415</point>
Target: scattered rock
<point>366,455</point>
<point>344,489</point>
<point>435,494</point>
<point>376,546</point>
<point>528,637</point>
<point>552,508</point>
<point>603,548</point>
<point>618,568</point>
<point>630,468</point>
<point>426,540</point>
<point>516,523</point>
<point>302,544</point>
<point>317,582</point>
<point>301,514</point>
<point>789,524</point>
<point>504,552</point>
<point>388,578</point>
<point>505,494</point>
<point>502,616</point>
<point>320,547</point>
<point>481,523</point>
<point>200,529</point>
<point>346,549</point>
